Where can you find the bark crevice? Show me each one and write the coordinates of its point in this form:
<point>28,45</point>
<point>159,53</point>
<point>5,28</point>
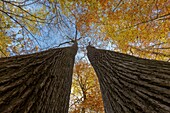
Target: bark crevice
<point>131,84</point>
<point>37,83</point>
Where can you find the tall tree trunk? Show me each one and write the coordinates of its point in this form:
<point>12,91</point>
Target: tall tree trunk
<point>37,83</point>
<point>130,84</point>
<point>84,99</point>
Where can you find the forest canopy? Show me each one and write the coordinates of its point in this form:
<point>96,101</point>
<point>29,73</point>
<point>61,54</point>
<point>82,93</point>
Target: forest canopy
<point>136,27</point>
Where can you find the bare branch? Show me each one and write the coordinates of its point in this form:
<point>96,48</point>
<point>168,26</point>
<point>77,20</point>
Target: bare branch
<point>117,6</point>
<point>151,52</point>
<point>22,26</point>
<point>147,21</point>
<point>75,33</point>
<point>3,52</point>
<point>23,9</point>
<point>63,43</point>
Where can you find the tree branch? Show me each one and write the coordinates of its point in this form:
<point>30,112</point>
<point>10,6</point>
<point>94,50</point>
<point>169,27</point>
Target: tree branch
<point>151,52</point>
<point>23,10</point>
<point>3,52</point>
<point>117,6</point>
<point>22,26</point>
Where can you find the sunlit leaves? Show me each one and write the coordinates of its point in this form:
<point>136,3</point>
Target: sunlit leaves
<point>124,22</point>
<point>21,16</point>
<point>4,41</point>
<point>85,94</point>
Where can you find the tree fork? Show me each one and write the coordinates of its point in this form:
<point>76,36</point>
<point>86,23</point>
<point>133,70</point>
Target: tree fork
<point>37,83</point>
<point>130,84</point>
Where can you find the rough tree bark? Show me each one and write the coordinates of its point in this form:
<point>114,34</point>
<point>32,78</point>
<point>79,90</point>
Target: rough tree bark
<point>130,84</point>
<point>37,83</point>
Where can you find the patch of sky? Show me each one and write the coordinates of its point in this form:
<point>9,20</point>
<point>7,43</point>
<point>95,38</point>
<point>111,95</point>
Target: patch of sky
<point>52,35</point>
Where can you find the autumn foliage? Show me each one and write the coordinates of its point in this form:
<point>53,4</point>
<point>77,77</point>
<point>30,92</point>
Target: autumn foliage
<point>136,27</point>
<point>85,96</point>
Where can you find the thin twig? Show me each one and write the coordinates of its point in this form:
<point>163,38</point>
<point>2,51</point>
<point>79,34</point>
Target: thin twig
<point>75,34</point>
<point>23,9</point>
<point>22,27</point>
<point>151,52</point>
<point>63,43</point>
<point>3,52</point>
<point>117,5</point>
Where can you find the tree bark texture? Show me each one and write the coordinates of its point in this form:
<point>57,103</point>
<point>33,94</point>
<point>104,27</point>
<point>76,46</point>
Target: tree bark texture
<point>130,84</point>
<point>37,83</point>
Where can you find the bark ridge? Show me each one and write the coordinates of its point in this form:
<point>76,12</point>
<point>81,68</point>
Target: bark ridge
<point>130,84</point>
<point>37,83</point>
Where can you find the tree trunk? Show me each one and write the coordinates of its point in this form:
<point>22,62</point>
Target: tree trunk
<point>37,83</point>
<point>130,84</point>
<point>83,110</point>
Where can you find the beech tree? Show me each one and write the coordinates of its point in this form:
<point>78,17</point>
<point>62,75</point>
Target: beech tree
<point>130,84</point>
<point>136,27</point>
<point>37,83</point>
